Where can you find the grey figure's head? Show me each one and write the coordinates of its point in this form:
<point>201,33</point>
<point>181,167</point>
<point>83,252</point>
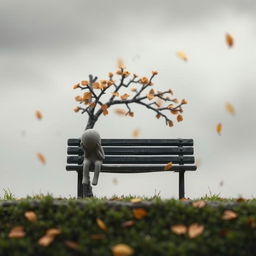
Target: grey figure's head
<point>90,139</point>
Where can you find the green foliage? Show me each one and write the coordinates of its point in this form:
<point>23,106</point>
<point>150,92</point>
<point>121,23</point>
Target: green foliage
<point>148,236</point>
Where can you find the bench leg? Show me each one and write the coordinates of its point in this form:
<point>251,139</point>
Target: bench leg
<point>181,184</point>
<point>79,185</point>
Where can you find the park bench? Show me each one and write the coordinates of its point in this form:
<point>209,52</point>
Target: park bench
<point>137,156</point>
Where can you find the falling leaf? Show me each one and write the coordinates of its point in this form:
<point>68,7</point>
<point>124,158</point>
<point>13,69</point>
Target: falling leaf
<point>195,230</point>
<point>168,166</point>
<point>101,224</point>
<point>31,216</point>
<point>136,200</point>
<point>122,250</point>
<point>179,229</point>
<point>182,55</point>
<point>38,115</point>
<point>229,40</point>
<point>120,63</point>
<point>179,118</point>
<point>139,213</point>
<point>124,96</point>
<point>115,94</point>
<point>17,232</point>
<point>229,215</point>
<point>230,109</point>
<point>199,204</point>
<point>219,128</point>
<point>120,111</point>
<point>41,158</point>
<point>97,236</point>
<point>136,133</point>
<point>72,244</point>
<point>127,223</point>
<point>115,180</point>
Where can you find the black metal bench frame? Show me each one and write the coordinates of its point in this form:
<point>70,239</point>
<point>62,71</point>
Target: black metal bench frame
<point>137,156</point>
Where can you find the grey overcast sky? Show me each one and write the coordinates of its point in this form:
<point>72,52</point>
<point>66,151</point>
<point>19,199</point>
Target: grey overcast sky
<point>47,46</point>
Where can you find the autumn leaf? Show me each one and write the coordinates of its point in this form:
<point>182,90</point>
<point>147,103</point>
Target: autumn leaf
<point>199,204</point>
<point>230,109</point>
<point>195,230</point>
<point>84,83</point>
<point>45,240</point>
<point>97,85</point>
<point>97,236</point>
<point>53,231</point>
<point>131,114</point>
<point>127,223</point>
<point>87,96</point>
<point>179,229</point>
<point>184,101</point>
<point>133,89</point>
<point>179,118</point>
<point>17,232</point>
<point>120,111</point>
<point>229,40</point>
<point>78,98</point>
<point>31,216</point>
<point>76,86</point>
<point>154,73</point>
<point>124,96</point>
<point>104,109</point>
<point>101,224</point>
<point>136,133</point>
<point>229,215</point>
<point>182,55</point>
<point>38,115</point>
<point>136,200</point>
<point>158,116</point>
<point>72,244</point>
<point>115,94</point>
<point>122,250</point>
<point>120,63</point>
<point>150,95</point>
<point>219,128</point>
<point>76,109</point>
<point>41,158</point>
<point>168,166</point>
<point>144,80</point>
<point>170,123</point>
<point>110,74</point>
<point>139,213</point>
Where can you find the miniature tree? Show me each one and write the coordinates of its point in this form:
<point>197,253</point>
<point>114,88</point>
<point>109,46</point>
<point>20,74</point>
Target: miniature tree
<point>93,103</point>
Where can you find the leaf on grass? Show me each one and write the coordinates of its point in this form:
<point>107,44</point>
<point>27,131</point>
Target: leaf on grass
<point>230,108</point>
<point>199,204</point>
<point>120,111</point>
<point>179,229</point>
<point>229,40</point>
<point>219,128</point>
<point>41,158</point>
<point>139,213</point>
<point>168,166</point>
<point>229,215</point>
<point>101,224</point>
<point>182,55</point>
<point>17,232</point>
<point>127,223</point>
<point>97,236</point>
<point>136,133</point>
<point>195,230</point>
<point>38,115</point>
<point>31,216</point>
<point>122,250</point>
<point>124,96</point>
<point>72,244</point>
<point>136,200</point>
<point>46,240</point>
<point>53,231</point>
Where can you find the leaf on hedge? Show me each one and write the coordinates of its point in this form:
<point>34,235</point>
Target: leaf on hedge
<point>122,250</point>
<point>72,244</point>
<point>97,236</point>
<point>136,200</point>
<point>101,224</point>
<point>182,55</point>
<point>179,229</point>
<point>139,213</point>
<point>168,166</point>
<point>38,115</point>
<point>136,133</point>
<point>17,232</point>
<point>41,158</point>
<point>124,96</point>
<point>120,111</point>
<point>46,240</point>
<point>195,230</point>
<point>251,222</point>
<point>199,204</point>
<point>219,128</point>
<point>230,108</point>
<point>53,231</point>
<point>229,40</point>
<point>229,215</point>
<point>127,223</point>
<point>31,216</point>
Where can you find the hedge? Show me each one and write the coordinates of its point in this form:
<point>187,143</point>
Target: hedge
<point>94,227</point>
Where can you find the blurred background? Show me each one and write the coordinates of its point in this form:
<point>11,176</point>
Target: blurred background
<point>48,46</point>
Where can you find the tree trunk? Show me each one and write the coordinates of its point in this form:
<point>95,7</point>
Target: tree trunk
<point>91,122</point>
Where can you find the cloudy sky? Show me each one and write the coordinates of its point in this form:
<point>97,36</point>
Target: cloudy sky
<point>47,46</point>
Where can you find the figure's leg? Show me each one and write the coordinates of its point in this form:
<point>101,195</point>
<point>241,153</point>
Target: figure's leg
<point>86,173</point>
<point>96,172</point>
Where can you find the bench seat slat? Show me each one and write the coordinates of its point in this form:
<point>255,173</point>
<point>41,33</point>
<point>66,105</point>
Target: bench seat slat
<point>136,159</point>
<point>137,151</point>
<point>138,142</point>
<point>134,168</point>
